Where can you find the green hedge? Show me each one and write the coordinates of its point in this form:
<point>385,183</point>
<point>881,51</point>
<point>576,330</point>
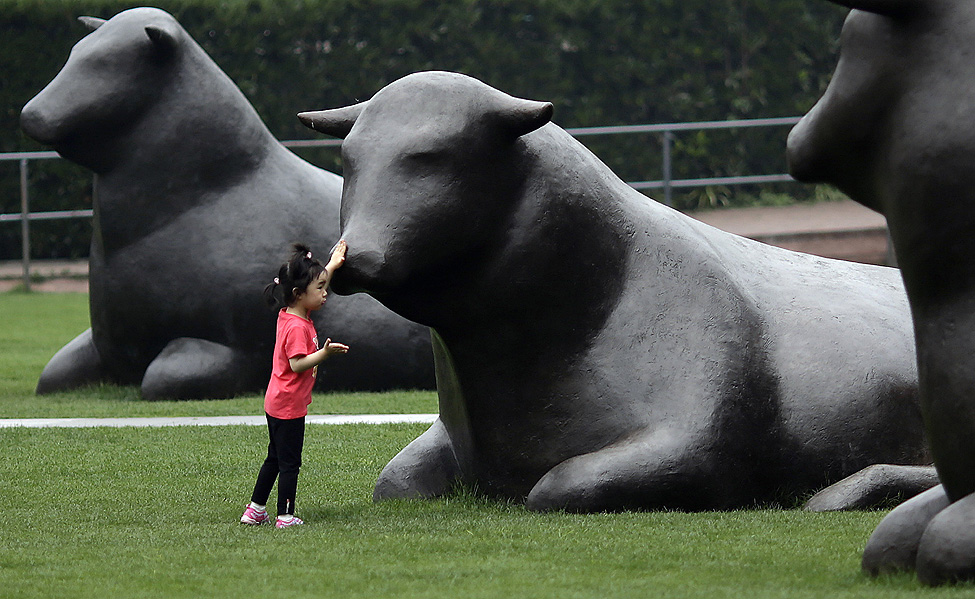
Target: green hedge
<point>602,62</point>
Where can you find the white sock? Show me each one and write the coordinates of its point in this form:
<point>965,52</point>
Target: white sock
<point>258,507</point>
<point>286,517</point>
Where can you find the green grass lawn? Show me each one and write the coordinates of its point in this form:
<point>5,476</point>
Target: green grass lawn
<point>137,512</point>
<point>34,326</point>
<point>153,513</point>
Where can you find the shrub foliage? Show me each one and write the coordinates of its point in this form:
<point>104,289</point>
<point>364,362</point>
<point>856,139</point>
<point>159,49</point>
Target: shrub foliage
<point>602,62</point>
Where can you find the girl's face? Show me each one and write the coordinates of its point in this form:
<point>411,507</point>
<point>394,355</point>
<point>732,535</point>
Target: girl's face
<point>313,297</point>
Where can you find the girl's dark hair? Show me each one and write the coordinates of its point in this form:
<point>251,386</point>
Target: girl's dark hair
<point>293,278</point>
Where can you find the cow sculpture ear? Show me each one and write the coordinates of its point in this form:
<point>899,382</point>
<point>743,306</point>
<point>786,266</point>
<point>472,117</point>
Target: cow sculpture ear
<point>890,8</point>
<point>336,122</point>
<point>520,117</point>
<point>92,23</point>
<point>163,37</point>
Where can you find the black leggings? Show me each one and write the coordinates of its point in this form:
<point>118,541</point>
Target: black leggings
<point>282,463</point>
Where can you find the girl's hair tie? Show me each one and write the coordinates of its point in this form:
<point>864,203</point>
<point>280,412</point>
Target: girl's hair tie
<point>308,255</point>
<point>277,281</point>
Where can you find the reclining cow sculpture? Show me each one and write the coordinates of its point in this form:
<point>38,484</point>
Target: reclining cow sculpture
<point>892,131</point>
<point>596,350</point>
<point>196,204</point>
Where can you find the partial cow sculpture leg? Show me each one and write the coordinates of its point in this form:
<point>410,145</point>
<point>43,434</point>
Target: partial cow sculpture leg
<point>74,365</point>
<point>873,486</point>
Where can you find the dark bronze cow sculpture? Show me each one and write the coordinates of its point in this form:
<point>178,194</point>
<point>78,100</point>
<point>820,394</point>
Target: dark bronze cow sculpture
<point>894,130</point>
<point>596,350</point>
<point>196,205</point>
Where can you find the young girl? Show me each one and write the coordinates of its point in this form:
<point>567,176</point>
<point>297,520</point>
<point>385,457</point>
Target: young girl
<point>299,289</point>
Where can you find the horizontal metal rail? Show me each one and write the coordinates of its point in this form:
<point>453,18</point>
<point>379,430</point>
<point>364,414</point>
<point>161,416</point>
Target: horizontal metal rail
<point>51,215</point>
<point>699,126</point>
<point>10,156</point>
<point>667,184</point>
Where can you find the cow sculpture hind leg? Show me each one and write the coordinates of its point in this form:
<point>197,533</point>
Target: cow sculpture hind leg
<point>192,368</point>
<point>75,365</point>
<point>655,470</point>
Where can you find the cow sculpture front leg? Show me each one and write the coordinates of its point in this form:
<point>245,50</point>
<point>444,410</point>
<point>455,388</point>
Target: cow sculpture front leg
<point>425,468</point>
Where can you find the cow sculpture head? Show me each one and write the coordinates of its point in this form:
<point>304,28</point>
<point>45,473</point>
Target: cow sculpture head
<point>430,172</point>
<point>111,78</point>
<point>899,107</point>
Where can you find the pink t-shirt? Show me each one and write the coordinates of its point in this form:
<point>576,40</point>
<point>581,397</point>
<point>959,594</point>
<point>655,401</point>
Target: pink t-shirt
<point>289,392</point>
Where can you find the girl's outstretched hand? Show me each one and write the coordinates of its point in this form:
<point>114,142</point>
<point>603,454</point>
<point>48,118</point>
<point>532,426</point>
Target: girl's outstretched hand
<point>334,348</point>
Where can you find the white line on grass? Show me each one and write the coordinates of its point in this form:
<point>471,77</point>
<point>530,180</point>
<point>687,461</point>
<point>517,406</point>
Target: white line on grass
<point>206,421</point>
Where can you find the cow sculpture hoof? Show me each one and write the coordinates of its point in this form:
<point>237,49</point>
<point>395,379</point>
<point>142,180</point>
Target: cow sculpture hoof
<point>946,552</point>
<point>929,535</point>
<point>894,543</point>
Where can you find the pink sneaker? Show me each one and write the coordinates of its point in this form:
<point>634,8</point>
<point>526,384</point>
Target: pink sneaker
<point>281,523</point>
<point>254,517</point>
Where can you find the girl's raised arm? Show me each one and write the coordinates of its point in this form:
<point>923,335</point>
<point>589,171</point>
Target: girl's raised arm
<point>337,260</point>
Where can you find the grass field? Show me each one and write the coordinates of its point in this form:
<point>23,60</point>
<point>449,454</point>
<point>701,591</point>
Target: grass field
<point>33,326</point>
<point>130,512</point>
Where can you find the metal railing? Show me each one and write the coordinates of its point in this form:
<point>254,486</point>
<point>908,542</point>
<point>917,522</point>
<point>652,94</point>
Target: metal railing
<point>667,183</point>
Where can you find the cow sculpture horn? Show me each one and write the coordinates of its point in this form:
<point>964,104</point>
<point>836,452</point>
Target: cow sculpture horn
<point>336,122</point>
<point>890,8</point>
<point>92,23</point>
<point>520,116</point>
<point>164,37</point>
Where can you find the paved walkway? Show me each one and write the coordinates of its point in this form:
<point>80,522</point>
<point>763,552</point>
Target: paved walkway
<point>55,275</point>
<point>206,421</point>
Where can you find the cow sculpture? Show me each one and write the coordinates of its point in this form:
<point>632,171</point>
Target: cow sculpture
<point>892,131</point>
<point>195,207</point>
<point>596,350</point>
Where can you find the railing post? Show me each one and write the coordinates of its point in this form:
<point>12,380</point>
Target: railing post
<point>667,175</point>
<point>25,223</point>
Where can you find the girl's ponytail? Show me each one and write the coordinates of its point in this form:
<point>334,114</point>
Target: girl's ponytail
<point>274,292</point>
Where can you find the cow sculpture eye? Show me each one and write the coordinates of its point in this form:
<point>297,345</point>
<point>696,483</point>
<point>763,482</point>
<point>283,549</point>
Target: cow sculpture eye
<point>425,157</point>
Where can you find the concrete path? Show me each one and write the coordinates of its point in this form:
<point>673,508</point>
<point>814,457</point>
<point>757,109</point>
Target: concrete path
<point>206,421</point>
